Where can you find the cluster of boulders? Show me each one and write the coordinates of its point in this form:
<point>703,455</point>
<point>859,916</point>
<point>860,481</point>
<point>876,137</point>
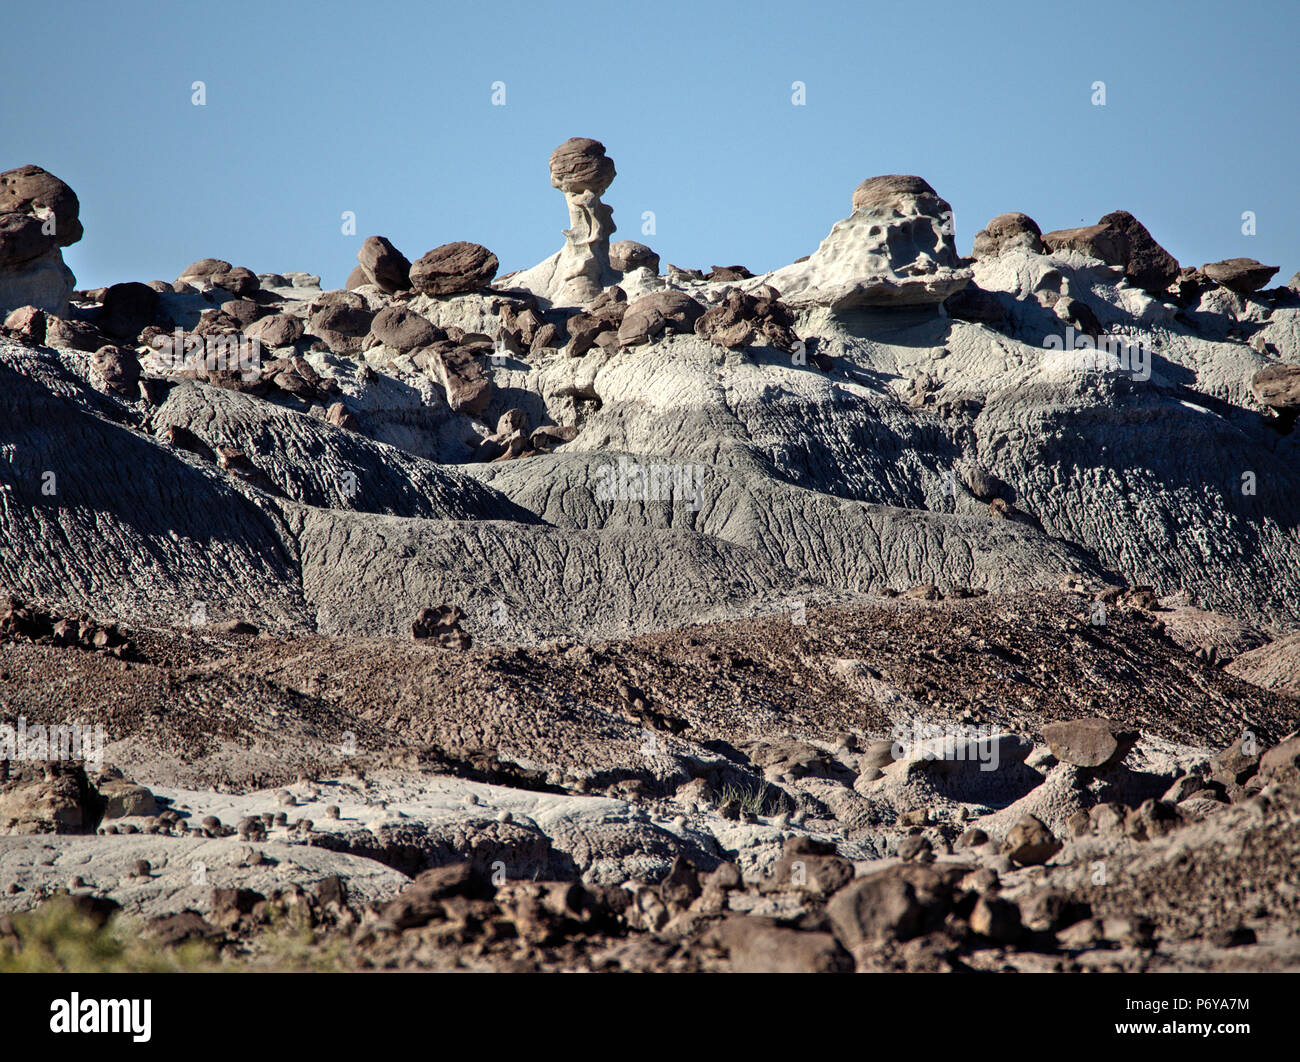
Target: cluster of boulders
<point>22,622</point>
<point>39,215</point>
<point>512,438</point>
<point>744,318</point>
<point>1120,240</point>
<point>60,796</point>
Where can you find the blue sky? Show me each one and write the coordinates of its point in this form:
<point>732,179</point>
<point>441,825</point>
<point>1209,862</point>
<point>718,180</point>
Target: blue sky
<point>385,109</point>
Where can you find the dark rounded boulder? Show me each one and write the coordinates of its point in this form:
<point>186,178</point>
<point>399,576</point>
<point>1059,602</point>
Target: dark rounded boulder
<point>28,189</point>
<point>128,308</point>
<point>581,165</point>
<point>454,269</point>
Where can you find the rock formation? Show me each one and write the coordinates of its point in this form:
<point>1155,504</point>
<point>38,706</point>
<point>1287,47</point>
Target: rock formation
<point>578,272</point>
<point>895,249</point>
<point>39,215</point>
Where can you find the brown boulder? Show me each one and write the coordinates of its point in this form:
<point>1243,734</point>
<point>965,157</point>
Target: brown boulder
<point>1007,231</point>
<point>895,904</point>
<point>1242,275</point>
<point>627,255</point>
<point>758,945</point>
<point>453,269</point>
<point>1284,756</point>
<point>743,319</point>
<point>204,268</point>
<point>384,264</point>
<point>1278,386</point>
<point>1030,843</point>
<point>1146,264</point>
<point>53,798</point>
<point>341,319</point>
<point>118,369</point>
<point>128,309</point>
<point>457,368</point>
<point>341,417</point>
<point>890,192</point>
<point>22,239</point>
<point>403,329</point>
<point>1094,742</point>
<point>277,330</point>
<point>79,335</point>
<point>1095,241</point>
<point>581,165</point>
<point>27,323</point>
<point>237,281</point>
<point>29,188</point>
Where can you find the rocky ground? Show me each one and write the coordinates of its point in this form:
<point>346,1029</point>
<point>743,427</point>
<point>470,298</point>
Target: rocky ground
<point>617,616</point>
<point>748,795</point>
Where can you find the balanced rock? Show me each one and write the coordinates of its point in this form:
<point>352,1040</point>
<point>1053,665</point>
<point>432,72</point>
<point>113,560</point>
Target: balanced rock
<point>38,217</point>
<point>1242,275</point>
<point>1119,239</point>
<point>32,190</point>
<point>454,269</point>
<point>577,273</point>
<point>1093,742</point>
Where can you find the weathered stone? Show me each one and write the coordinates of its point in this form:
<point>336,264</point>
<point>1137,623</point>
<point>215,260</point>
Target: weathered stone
<point>32,190</point>
<point>454,268</point>
<point>403,329</point>
<point>1093,742</point>
<point>277,330</point>
<point>1030,843</point>
<point>384,265</point>
<point>627,255</point>
<point>1242,275</point>
<point>1008,231</point>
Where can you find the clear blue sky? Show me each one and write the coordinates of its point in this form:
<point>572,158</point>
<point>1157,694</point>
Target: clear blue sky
<point>385,109</point>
